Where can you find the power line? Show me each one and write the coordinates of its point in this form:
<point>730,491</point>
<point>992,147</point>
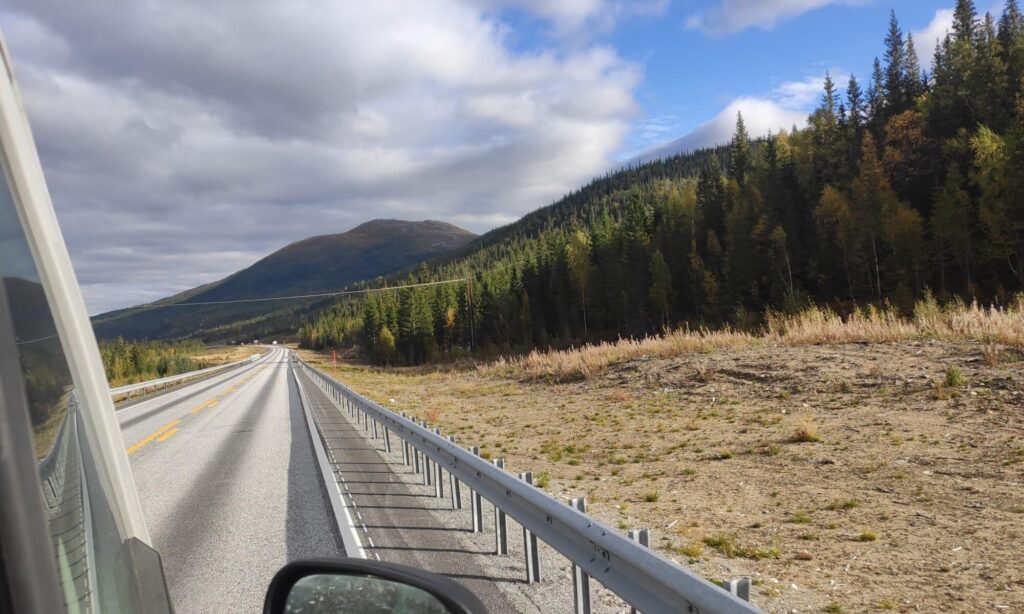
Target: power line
<point>300,296</point>
<point>35,340</point>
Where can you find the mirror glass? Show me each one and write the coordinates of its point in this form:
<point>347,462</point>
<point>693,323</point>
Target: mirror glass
<point>352,594</point>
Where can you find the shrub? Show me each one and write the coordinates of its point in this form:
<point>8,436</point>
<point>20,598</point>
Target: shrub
<point>842,504</point>
<point>955,377</point>
<point>806,432</point>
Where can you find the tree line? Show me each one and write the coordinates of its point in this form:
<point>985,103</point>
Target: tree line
<point>127,362</point>
<point>912,183</point>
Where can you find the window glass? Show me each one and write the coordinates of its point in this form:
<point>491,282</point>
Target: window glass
<point>86,543</point>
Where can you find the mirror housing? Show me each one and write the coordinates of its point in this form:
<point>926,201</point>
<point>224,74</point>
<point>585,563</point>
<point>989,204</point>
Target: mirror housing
<point>450,596</point>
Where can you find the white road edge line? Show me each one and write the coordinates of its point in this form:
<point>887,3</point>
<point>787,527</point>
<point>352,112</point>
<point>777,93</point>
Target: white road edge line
<point>349,537</point>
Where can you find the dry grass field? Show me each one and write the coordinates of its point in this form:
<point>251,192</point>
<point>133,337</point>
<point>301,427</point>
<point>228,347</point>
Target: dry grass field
<point>871,464</point>
<point>215,355</point>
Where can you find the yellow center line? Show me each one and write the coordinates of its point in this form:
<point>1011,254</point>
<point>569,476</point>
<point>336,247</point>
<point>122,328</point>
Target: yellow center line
<point>170,425</point>
<point>200,408</point>
<point>167,435</point>
<point>168,430</point>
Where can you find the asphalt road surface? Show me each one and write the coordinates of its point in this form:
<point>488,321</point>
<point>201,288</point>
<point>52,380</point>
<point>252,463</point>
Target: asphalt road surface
<point>229,484</point>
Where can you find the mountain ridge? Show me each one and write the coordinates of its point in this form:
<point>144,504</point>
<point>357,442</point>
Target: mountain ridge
<point>321,263</point>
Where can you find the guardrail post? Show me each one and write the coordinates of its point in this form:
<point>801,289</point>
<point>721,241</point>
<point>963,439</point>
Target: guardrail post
<point>454,485</point>
<point>580,579</point>
<point>375,429</point>
<point>426,460</point>
<point>387,440</point>
<point>476,502</point>
<point>644,537</point>
<point>438,473</point>
<point>739,587</point>
<point>500,522</point>
<point>530,543</point>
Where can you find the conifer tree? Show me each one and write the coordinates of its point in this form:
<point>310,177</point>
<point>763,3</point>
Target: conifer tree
<point>855,105</point>
<point>965,18</point>
<point>895,68</point>
<point>988,77</point>
<point>876,98</point>
<point>913,80</point>
<point>660,291</point>
<point>1011,44</point>
<point>950,226</point>
<point>739,152</point>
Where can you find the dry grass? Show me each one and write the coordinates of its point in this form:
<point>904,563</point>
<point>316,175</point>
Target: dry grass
<point>815,326</point>
<point>433,415</point>
<point>894,463</point>
<point>806,432</point>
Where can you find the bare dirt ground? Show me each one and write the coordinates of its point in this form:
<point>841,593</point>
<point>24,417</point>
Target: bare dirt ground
<point>840,478</point>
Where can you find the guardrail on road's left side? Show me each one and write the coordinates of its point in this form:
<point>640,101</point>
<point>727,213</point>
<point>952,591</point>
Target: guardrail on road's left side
<point>181,378</point>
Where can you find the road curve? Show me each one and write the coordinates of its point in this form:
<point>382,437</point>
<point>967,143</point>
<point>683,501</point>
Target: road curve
<point>229,484</point>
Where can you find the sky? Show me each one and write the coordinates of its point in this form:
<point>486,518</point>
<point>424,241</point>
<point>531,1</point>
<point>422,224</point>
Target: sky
<point>183,141</point>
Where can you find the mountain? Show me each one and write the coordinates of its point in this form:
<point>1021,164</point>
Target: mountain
<point>319,264</point>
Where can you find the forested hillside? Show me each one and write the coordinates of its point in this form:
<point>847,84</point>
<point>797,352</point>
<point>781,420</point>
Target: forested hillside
<point>907,182</point>
<point>323,263</point>
<point>128,362</point>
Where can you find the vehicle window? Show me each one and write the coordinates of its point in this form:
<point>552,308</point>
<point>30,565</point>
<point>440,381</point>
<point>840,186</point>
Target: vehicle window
<point>85,539</point>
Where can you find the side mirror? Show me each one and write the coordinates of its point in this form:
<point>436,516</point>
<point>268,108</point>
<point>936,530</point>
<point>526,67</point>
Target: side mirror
<point>358,586</point>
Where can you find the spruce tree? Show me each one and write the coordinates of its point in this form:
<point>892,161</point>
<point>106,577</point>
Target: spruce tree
<point>1011,46</point>
<point>913,79</point>
<point>876,98</point>
<point>739,152</point>
<point>965,19</point>
<point>854,104</point>
<point>895,68</point>
<point>988,79</point>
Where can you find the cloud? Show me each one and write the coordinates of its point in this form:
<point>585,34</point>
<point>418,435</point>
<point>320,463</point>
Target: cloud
<point>576,16</point>
<point>760,115</point>
<point>787,106</point>
<point>926,38</point>
<point>731,16</point>
<point>183,141</point>
<point>806,93</point>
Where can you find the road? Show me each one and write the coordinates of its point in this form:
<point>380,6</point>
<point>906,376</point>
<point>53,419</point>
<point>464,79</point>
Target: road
<point>229,484</point>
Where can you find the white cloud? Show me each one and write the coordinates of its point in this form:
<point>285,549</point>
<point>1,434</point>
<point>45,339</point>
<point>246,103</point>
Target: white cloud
<point>760,116</point>
<point>787,106</point>
<point>806,93</point>
<point>730,16</point>
<point>934,32</point>
<point>582,17</point>
<point>184,140</point>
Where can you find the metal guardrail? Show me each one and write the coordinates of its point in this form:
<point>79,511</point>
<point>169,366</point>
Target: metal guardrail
<point>67,512</point>
<point>646,580</point>
<point>181,377</point>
